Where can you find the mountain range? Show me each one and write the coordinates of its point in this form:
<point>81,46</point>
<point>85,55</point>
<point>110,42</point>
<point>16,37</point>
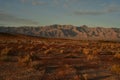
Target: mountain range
<point>66,31</point>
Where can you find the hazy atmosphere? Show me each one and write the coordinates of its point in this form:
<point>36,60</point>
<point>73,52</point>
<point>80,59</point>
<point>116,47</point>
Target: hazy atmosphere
<point>103,13</point>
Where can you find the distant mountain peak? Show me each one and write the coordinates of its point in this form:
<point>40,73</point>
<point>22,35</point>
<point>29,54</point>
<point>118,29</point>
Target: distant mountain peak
<point>67,31</point>
<point>84,26</point>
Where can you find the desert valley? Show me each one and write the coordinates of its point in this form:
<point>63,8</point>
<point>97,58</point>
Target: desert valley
<point>59,39</point>
<point>30,54</point>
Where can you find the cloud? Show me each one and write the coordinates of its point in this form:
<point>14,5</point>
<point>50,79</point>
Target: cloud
<point>56,2</point>
<point>63,4</point>
<point>1,24</point>
<point>23,1</point>
<point>112,8</point>
<point>107,10</point>
<point>6,17</point>
<point>89,12</point>
<point>35,3</point>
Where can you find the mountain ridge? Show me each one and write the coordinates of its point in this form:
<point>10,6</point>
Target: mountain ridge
<point>67,32</point>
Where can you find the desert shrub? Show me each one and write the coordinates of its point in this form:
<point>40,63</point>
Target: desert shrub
<point>13,52</point>
<point>117,56</point>
<point>20,46</point>
<point>66,72</point>
<point>85,76</point>
<point>86,51</point>
<point>48,51</point>
<point>28,58</point>
<point>71,55</point>
<point>116,68</point>
<point>5,51</point>
<point>61,51</point>
<point>25,59</point>
<point>95,51</point>
<point>5,58</point>
<point>7,54</point>
<point>36,65</point>
<point>92,57</point>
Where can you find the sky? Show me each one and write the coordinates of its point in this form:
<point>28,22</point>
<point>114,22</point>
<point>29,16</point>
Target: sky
<point>93,13</point>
